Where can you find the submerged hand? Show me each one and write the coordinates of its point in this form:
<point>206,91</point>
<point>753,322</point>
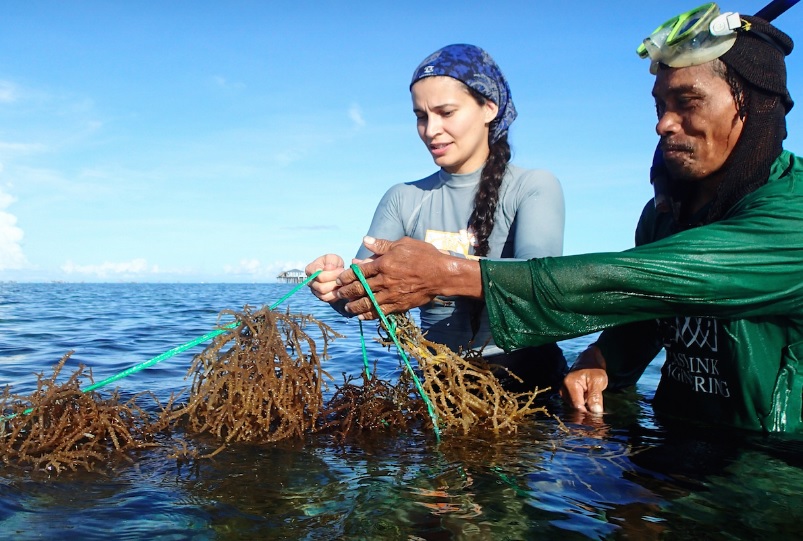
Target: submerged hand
<point>583,385</point>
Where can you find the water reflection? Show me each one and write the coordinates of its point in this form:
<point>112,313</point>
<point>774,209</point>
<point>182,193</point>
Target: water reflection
<point>567,480</point>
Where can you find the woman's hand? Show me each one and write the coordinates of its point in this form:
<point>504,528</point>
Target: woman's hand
<point>325,285</point>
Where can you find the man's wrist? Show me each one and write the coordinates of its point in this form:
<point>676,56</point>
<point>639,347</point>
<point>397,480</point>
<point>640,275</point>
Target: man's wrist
<point>462,277</point>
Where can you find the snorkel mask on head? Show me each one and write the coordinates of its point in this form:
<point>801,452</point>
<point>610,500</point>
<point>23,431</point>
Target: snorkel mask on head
<point>753,52</point>
<point>695,37</point>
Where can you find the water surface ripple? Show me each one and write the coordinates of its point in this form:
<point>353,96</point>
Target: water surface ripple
<point>620,476</point>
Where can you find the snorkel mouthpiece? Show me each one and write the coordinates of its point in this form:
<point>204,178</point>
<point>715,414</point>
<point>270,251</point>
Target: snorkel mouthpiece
<point>692,38</point>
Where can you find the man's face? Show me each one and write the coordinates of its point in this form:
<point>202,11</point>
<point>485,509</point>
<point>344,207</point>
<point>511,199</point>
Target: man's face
<point>698,120</point>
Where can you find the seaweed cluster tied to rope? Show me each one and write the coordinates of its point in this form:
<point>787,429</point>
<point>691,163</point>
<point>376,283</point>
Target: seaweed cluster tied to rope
<point>60,427</point>
<point>464,391</point>
<point>262,382</point>
<point>377,404</point>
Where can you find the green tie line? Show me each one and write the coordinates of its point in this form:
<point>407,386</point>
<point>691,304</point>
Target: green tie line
<point>391,331</point>
<point>188,345</point>
<point>175,350</point>
<point>364,353</point>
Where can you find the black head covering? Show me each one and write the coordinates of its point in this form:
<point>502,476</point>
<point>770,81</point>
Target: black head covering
<point>758,57</point>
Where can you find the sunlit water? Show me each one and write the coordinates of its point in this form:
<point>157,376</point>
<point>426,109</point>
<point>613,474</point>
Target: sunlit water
<point>623,476</point>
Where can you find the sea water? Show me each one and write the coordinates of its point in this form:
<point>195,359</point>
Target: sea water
<point>619,476</point>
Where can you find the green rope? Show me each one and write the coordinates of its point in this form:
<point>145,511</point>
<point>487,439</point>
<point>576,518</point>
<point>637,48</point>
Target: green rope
<point>364,353</point>
<point>188,345</point>
<point>176,350</point>
<point>392,332</point>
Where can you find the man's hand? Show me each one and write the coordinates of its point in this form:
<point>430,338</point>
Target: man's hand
<point>583,385</point>
<point>405,274</point>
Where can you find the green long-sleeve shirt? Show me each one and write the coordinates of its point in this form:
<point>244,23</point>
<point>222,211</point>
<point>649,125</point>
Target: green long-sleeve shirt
<point>725,300</point>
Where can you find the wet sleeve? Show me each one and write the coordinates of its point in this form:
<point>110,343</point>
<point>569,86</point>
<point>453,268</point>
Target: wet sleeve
<point>628,349</point>
<point>746,266</point>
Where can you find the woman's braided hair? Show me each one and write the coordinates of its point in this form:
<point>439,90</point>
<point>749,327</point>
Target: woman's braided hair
<point>485,201</point>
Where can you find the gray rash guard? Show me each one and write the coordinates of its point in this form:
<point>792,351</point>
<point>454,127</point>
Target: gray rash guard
<point>529,223</point>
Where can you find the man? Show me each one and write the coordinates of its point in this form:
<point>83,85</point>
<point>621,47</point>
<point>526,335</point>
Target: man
<point>716,277</point>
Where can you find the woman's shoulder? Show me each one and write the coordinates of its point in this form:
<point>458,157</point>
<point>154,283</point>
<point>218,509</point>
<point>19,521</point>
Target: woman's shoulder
<point>526,182</point>
<point>427,182</point>
<point>406,190</point>
<point>422,183</point>
<point>543,176</point>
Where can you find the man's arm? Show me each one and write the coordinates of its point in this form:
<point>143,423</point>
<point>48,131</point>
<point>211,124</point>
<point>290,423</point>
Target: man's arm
<point>731,269</point>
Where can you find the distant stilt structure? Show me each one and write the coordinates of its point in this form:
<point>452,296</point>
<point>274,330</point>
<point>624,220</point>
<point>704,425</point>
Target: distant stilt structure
<point>292,276</point>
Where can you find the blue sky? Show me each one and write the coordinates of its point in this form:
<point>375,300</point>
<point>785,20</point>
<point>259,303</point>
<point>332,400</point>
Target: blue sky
<point>228,141</point>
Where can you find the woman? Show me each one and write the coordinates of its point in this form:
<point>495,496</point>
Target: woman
<point>476,205</point>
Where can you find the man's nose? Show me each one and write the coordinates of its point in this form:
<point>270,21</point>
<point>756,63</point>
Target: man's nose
<point>668,123</point>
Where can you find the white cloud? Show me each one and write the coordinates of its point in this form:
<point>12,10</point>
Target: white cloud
<point>8,92</point>
<point>20,148</point>
<point>6,199</point>
<point>222,82</point>
<point>255,269</point>
<point>11,255</point>
<point>245,266</point>
<point>287,157</point>
<point>355,114</point>
<point>137,266</point>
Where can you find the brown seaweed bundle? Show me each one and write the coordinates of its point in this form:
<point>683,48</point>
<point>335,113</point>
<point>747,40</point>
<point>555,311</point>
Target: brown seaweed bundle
<point>262,382</point>
<point>60,427</point>
<point>464,392</point>
<point>377,404</point>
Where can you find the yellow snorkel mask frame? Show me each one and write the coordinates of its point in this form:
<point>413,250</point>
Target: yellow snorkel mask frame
<point>691,38</point>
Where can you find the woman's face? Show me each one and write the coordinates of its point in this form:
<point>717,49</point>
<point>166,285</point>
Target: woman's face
<point>451,123</point>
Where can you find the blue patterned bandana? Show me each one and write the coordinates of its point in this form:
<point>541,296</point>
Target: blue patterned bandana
<point>476,69</point>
